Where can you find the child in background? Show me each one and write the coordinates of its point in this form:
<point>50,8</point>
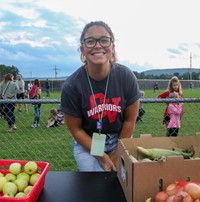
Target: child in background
<point>141,110</point>
<point>174,85</point>
<point>34,87</point>
<point>53,119</point>
<point>37,106</point>
<point>175,111</point>
<point>60,117</point>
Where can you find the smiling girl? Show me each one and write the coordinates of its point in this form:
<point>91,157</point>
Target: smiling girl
<point>100,101</point>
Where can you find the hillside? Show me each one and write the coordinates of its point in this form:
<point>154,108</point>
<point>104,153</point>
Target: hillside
<point>158,72</point>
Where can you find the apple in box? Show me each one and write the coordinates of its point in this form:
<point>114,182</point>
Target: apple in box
<point>28,189</point>
<point>9,189</point>
<point>20,195</point>
<point>34,178</point>
<point>15,168</point>
<point>10,177</point>
<point>31,167</point>
<point>24,176</point>
<point>21,184</point>
<point>2,183</point>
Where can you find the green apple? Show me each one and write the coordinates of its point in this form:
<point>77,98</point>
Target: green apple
<point>24,176</point>
<point>2,182</point>
<point>21,184</point>
<point>34,177</point>
<point>20,195</point>
<point>1,174</point>
<point>10,177</point>
<point>9,189</point>
<point>15,168</point>
<point>31,167</point>
<point>28,189</point>
<point>8,195</point>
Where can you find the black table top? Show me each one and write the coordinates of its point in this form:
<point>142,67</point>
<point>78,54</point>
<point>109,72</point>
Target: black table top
<point>82,187</point>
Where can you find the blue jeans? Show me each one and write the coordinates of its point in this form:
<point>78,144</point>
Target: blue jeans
<point>85,161</point>
<point>37,115</point>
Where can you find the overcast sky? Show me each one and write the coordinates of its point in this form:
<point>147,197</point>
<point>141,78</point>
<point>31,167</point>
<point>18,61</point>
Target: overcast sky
<point>38,35</point>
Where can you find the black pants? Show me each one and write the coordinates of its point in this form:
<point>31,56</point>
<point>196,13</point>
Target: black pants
<point>172,132</point>
<point>9,113</point>
<point>2,114</point>
<point>140,114</point>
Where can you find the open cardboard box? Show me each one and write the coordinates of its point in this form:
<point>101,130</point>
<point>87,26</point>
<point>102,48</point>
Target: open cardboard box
<point>142,180</point>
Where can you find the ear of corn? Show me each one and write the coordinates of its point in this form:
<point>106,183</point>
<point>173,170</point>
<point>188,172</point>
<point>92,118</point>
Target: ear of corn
<point>157,153</point>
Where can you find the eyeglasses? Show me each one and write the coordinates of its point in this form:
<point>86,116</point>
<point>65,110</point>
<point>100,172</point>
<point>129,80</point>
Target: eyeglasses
<point>91,42</point>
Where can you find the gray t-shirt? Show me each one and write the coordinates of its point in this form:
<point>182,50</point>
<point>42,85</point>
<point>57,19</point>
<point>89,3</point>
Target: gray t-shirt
<point>78,101</point>
<point>21,85</point>
<point>9,90</point>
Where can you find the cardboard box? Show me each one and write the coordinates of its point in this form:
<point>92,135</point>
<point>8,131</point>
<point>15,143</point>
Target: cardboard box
<point>142,180</point>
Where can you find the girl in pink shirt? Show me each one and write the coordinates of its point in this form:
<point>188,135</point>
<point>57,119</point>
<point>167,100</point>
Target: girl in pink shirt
<point>175,110</point>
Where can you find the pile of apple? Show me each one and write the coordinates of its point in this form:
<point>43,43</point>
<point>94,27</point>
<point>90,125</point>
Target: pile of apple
<point>180,192</point>
<point>18,183</point>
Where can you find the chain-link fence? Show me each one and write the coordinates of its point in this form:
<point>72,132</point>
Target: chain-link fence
<point>145,84</point>
<point>54,144</point>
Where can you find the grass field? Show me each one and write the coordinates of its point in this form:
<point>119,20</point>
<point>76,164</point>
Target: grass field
<point>152,121</point>
<point>55,145</point>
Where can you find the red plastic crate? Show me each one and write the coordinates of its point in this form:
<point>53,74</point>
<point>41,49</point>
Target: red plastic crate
<point>32,196</point>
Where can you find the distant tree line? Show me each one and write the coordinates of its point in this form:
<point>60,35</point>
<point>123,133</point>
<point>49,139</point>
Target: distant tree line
<point>194,76</point>
<point>7,69</point>
<point>185,76</point>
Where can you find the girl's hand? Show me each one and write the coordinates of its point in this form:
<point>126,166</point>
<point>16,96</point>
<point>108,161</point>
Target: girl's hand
<point>106,162</point>
<point>113,157</point>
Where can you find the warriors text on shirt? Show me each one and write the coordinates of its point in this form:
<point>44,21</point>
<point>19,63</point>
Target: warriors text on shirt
<point>110,108</point>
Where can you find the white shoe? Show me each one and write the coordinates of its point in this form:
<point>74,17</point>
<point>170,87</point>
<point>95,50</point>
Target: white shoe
<point>14,127</point>
<point>34,125</point>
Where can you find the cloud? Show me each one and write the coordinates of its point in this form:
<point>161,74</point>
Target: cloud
<point>36,35</point>
<point>183,47</point>
<point>174,51</point>
<point>198,45</point>
<point>25,10</point>
<point>39,43</point>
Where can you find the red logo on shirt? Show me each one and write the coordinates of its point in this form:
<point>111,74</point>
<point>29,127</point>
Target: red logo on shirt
<point>110,108</point>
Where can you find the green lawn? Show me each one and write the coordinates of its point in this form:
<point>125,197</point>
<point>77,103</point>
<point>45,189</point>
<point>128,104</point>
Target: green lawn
<point>55,144</point>
<point>187,93</point>
<point>152,121</point>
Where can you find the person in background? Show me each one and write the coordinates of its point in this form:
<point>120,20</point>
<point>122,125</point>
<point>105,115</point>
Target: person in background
<point>47,88</point>
<point>30,85</point>
<point>34,87</point>
<point>20,82</point>
<point>36,121</point>
<point>105,108</point>
<point>155,87</point>
<point>61,120</point>
<point>174,85</point>
<point>2,115</point>
<point>9,90</point>
<point>175,111</point>
<point>141,110</point>
<point>53,119</point>
<point>191,85</point>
